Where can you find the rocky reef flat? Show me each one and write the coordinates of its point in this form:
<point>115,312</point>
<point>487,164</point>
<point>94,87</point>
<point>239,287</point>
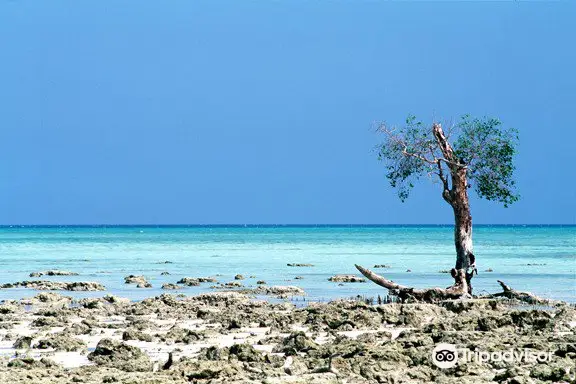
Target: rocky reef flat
<point>231,337</point>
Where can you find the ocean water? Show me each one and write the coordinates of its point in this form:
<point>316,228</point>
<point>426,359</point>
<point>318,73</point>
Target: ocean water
<point>540,259</point>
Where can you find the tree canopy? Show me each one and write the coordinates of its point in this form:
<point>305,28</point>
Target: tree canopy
<point>480,147</point>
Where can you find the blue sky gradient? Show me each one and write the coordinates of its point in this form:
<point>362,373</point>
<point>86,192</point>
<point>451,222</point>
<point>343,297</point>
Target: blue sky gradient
<point>215,112</point>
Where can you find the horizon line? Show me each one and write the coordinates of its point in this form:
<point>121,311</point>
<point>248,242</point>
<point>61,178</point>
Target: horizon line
<point>274,225</point>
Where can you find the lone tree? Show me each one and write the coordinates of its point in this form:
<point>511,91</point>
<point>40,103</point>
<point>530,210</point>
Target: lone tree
<point>474,152</point>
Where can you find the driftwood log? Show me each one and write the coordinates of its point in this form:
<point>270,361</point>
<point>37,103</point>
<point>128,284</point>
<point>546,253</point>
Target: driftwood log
<point>457,291</point>
<point>513,294</point>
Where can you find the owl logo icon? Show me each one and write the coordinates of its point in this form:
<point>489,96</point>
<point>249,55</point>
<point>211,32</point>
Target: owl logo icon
<point>445,355</point>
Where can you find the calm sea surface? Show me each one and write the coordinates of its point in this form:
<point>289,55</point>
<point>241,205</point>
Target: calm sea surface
<point>540,259</point>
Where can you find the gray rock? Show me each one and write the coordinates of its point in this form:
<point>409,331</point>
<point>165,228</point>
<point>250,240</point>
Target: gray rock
<point>189,281</point>
<point>295,343</point>
<point>280,290</point>
<point>121,356</point>
<point>61,342</point>
<point>171,286</point>
<point>140,281</point>
<point>134,334</point>
<point>195,281</point>
<point>347,279</point>
<point>23,342</point>
<point>44,285</point>
<point>53,272</point>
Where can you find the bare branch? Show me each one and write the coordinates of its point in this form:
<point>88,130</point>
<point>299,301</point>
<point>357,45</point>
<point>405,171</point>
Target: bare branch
<point>399,140</point>
<point>441,176</point>
<point>446,189</point>
<point>418,156</point>
<point>381,281</point>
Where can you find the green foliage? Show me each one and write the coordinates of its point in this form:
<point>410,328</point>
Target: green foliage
<point>488,150</point>
<point>481,145</point>
<point>403,170</point>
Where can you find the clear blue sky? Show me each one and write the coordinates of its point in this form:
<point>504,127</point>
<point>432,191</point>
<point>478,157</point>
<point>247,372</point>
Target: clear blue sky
<point>261,111</point>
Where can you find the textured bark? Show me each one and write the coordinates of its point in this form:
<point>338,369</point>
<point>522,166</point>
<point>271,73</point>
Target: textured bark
<point>457,197</point>
<point>462,219</point>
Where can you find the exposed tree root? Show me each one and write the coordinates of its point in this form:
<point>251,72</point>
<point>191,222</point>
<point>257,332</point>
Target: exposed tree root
<point>457,291</point>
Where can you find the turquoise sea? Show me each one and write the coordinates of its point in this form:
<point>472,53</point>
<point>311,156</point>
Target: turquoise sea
<point>540,259</point>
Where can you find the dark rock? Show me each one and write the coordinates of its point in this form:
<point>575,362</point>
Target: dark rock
<point>546,372</point>
<point>61,342</point>
<point>53,273</point>
<point>78,329</point>
<point>246,353</point>
<point>296,342</point>
<point>207,280</point>
<point>118,355</point>
<point>31,363</point>
<point>347,279</point>
<point>46,322</point>
<point>134,334</point>
<point>213,353</point>
<point>189,281</point>
<point>232,284</point>
<point>282,291</point>
<point>23,342</point>
<point>182,335</point>
<point>44,285</point>
<point>195,281</point>
<point>139,280</point>
<point>170,286</point>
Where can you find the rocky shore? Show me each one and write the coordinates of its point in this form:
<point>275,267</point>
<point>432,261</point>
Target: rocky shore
<point>230,337</point>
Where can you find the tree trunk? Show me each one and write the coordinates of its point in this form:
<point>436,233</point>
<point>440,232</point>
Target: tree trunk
<point>462,220</point>
<point>457,197</point>
<point>465,259</point>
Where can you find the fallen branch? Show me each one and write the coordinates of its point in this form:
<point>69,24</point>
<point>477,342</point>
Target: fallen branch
<point>407,294</point>
<point>458,291</point>
<point>525,297</point>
